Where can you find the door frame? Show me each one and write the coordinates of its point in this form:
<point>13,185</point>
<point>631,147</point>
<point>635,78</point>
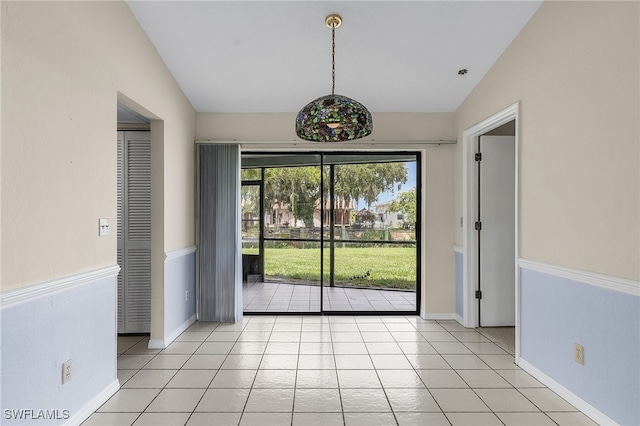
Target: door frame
<point>158,340</point>
<point>420,237</point>
<point>470,272</point>
<point>260,184</point>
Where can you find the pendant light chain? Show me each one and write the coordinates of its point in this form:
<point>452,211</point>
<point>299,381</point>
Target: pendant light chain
<point>333,118</point>
<point>333,59</point>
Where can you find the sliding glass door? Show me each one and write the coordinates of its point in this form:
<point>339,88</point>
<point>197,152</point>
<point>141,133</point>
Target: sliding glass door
<point>337,233</point>
<point>290,235</point>
<point>372,239</point>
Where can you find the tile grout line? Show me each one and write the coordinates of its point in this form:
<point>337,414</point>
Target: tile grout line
<point>423,382</point>
<point>179,369</point>
<point>471,388</point>
<point>295,384</point>
<point>257,370</point>
<point>205,390</point>
<point>335,362</point>
<point>382,384</point>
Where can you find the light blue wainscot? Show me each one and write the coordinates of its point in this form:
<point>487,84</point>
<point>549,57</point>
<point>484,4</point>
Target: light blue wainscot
<point>45,325</point>
<point>180,292</point>
<point>561,307</point>
<point>458,264</point>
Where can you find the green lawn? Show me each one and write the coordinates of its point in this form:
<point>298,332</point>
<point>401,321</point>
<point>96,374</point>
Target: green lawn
<point>390,267</point>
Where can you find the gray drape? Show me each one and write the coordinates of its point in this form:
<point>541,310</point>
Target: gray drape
<point>219,250</point>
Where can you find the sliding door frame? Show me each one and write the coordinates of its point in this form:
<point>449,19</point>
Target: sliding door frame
<point>418,227</point>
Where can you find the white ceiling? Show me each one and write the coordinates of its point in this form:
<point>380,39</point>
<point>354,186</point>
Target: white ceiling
<point>275,56</point>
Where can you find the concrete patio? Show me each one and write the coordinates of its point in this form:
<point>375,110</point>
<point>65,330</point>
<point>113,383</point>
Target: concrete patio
<point>287,297</point>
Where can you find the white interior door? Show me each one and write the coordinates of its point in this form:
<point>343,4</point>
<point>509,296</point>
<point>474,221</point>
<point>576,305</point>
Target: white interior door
<point>134,232</point>
<point>497,234</point>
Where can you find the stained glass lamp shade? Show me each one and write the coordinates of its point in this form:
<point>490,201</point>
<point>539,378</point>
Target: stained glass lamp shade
<point>333,118</point>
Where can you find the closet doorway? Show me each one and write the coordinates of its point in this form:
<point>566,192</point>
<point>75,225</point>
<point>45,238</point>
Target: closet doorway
<point>134,231</point>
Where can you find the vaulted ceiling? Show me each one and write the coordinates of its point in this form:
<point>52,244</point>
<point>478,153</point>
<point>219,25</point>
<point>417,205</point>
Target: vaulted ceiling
<point>275,56</point>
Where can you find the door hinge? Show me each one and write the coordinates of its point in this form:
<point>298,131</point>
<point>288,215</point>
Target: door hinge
<point>478,156</point>
<point>478,226</point>
<point>478,294</point>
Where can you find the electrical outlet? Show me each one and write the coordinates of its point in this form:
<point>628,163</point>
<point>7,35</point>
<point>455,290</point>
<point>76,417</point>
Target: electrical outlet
<point>579,354</point>
<point>186,295</point>
<point>66,371</point>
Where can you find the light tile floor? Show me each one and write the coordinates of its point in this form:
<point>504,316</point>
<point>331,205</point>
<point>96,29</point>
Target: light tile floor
<point>324,370</point>
<point>284,297</point>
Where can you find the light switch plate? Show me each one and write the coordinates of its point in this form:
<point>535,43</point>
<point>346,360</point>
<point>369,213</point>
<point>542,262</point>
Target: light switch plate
<point>103,227</point>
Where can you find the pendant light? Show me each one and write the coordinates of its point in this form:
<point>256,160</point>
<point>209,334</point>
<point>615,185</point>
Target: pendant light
<point>333,118</point>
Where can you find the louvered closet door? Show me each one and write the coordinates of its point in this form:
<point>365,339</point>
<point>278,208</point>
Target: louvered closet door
<point>120,232</point>
<point>134,295</point>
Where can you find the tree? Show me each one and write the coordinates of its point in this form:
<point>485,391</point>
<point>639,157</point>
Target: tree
<point>364,216</point>
<point>367,181</point>
<point>250,202</point>
<point>406,204</point>
<point>251,174</point>
<point>295,187</point>
<point>298,188</point>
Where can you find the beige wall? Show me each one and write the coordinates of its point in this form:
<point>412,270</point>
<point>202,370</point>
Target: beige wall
<point>389,128</point>
<point>64,65</point>
<point>281,127</point>
<point>574,69</point>
<point>437,205</point>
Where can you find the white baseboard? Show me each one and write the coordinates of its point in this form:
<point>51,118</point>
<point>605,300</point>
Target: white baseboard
<point>90,407</point>
<point>157,344</point>
<point>166,341</point>
<point>459,319</point>
<point>590,411</point>
<point>178,331</point>
<point>437,316</point>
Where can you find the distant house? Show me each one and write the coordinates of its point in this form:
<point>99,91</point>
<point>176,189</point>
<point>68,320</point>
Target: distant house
<point>386,218</point>
<point>341,207</point>
<point>281,214</point>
